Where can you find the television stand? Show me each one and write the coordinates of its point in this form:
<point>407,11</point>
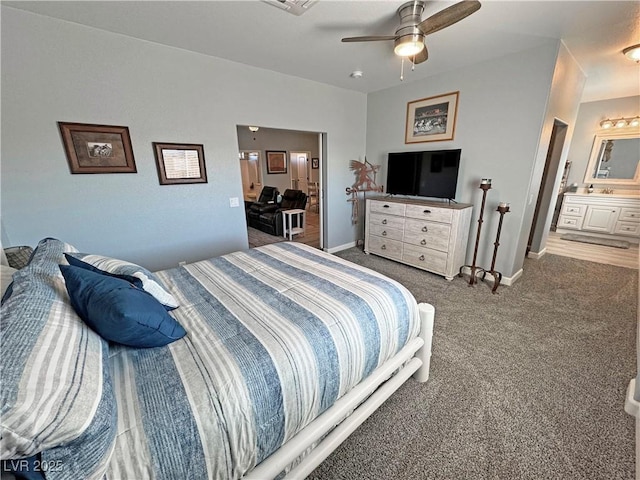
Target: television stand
<point>428,235</point>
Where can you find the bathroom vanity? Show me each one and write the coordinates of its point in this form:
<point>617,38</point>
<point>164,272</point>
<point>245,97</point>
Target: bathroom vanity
<point>613,167</point>
<point>595,214</point>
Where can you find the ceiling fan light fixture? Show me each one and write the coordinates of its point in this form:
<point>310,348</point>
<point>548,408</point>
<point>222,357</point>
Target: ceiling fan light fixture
<point>409,45</point>
<point>632,53</point>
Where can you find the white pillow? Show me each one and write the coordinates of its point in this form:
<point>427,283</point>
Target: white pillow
<point>150,282</point>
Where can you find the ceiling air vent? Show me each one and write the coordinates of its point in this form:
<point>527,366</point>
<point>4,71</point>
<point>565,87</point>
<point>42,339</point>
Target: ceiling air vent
<point>296,7</point>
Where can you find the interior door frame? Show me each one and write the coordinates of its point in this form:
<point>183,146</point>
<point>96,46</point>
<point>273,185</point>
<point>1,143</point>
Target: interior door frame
<point>547,194</point>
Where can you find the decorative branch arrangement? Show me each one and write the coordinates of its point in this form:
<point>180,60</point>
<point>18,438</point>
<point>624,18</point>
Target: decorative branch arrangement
<point>365,182</point>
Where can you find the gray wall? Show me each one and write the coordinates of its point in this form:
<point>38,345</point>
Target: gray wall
<point>563,104</point>
<point>59,71</point>
<point>501,114</point>
<point>588,121</point>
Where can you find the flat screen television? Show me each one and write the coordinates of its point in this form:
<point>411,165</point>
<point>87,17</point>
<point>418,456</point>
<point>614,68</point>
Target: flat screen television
<point>423,174</point>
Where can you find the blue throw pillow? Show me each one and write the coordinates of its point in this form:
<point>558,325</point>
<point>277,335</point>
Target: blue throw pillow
<point>118,310</point>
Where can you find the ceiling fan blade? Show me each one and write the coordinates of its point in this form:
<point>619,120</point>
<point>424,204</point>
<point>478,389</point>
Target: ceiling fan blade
<point>448,16</point>
<point>421,57</point>
<point>373,38</point>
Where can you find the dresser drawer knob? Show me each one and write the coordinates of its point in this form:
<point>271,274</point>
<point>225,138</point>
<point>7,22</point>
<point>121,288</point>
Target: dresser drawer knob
<point>425,229</point>
<point>384,233</point>
<point>426,211</point>
<point>384,222</point>
<point>423,242</point>
<point>385,206</point>
<point>421,258</point>
<point>383,247</point>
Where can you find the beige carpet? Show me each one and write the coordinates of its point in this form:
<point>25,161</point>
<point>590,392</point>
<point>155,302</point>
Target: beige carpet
<point>526,384</point>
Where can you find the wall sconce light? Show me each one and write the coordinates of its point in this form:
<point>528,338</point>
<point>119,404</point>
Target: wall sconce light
<point>632,53</point>
<point>254,129</point>
<point>620,122</point>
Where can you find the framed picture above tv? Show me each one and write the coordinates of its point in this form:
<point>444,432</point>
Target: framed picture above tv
<point>431,119</point>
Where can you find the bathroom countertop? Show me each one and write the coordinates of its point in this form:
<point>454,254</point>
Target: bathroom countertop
<point>611,195</point>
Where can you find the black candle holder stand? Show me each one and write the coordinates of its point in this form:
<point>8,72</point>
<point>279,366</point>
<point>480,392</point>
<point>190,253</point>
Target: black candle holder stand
<point>485,187</point>
<point>497,276</point>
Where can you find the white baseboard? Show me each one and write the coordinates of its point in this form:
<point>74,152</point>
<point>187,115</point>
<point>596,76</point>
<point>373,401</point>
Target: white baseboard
<point>341,247</point>
<point>512,279</point>
<point>537,255</point>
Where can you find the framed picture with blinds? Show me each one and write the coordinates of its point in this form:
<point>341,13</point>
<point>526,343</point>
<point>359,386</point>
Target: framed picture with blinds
<point>180,163</point>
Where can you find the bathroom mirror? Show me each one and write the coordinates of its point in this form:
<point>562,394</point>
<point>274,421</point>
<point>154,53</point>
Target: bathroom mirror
<point>615,160</point>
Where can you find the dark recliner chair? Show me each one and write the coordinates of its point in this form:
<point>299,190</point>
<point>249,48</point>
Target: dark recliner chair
<point>267,195</point>
<point>268,218</point>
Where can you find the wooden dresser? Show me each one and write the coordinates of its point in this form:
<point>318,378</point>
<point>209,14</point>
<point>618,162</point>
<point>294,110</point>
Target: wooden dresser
<point>428,235</point>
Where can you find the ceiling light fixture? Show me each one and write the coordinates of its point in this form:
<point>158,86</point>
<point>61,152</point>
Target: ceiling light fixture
<point>632,53</point>
<point>409,45</point>
<point>254,129</point>
<point>620,122</point>
<point>356,74</point>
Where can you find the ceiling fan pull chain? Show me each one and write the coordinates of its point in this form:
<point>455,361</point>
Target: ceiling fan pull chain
<point>402,70</point>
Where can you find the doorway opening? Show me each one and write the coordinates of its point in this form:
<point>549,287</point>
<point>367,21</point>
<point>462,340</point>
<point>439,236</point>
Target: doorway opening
<point>251,175</point>
<point>303,152</point>
<point>300,165</point>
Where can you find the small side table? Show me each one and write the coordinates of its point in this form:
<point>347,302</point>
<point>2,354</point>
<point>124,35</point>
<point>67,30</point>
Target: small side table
<point>288,230</point>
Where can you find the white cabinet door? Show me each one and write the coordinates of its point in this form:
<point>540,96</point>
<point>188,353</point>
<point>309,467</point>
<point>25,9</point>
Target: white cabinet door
<point>600,219</point>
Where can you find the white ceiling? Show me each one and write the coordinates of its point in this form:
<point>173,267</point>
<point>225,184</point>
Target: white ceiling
<point>308,46</point>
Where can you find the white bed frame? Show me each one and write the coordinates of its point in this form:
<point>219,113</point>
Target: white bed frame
<point>350,411</point>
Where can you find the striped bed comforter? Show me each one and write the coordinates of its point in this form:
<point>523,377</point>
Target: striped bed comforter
<point>275,336</point>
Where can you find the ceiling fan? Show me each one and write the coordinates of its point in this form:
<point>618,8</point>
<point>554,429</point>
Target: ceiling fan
<point>409,37</point>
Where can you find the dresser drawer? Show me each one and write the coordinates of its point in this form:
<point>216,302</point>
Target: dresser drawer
<point>570,222</point>
<point>571,209</point>
<point>627,228</point>
<point>427,234</point>
<point>434,214</point>
<point>390,208</point>
<point>385,247</point>
<point>426,258</point>
<point>628,214</point>
<point>387,231</point>
<point>383,220</point>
